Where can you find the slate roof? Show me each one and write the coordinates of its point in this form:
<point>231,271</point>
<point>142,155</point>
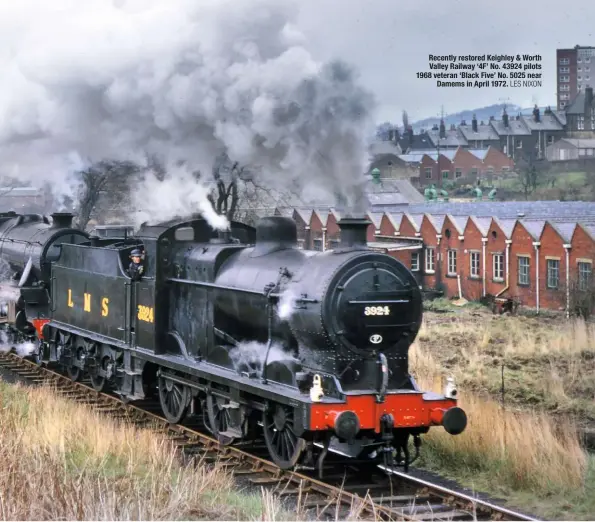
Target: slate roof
<point>453,138</point>
<point>322,215</point>
<point>482,223</point>
<point>415,219</point>
<point>547,122</point>
<point>551,210</point>
<point>437,220</point>
<point>305,214</point>
<point>376,218</point>
<point>581,144</point>
<point>450,154</point>
<point>395,220</point>
<point>566,230</point>
<point>535,228</point>
<point>484,132</point>
<point>420,141</point>
<point>507,226</point>
<point>577,105</point>
<point>380,148</point>
<point>515,127</point>
<point>560,116</point>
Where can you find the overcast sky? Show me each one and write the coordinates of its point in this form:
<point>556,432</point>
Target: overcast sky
<point>389,41</point>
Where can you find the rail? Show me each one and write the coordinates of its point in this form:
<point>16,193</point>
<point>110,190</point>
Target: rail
<point>377,492</point>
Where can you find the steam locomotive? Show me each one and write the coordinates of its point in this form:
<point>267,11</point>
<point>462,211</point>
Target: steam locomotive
<point>308,349</point>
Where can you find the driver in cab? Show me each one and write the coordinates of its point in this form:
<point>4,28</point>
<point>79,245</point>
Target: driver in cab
<point>136,268</point>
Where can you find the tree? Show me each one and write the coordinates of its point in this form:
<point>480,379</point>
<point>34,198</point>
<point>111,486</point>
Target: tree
<point>104,185</point>
<point>532,172</point>
<point>225,196</point>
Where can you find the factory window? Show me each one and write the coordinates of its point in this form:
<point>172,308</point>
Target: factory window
<point>565,79</point>
<point>564,61</point>
<point>334,243</point>
<point>524,278</point>
<point>474,172</point>
<point>414,261</point>
<point>550,140</point>
<point>584,275</point>
<point>445,174</point>
<point>452,262</point>
<point>428,173</point>
<point>474,260</point>
<point>318,245</point>
<point>430,260</point>
<point>498,267</point>
<point>553,273</point>
<point>300,243</point>
<point>519,143</point>
<point>458,173</point>
<point>564,69</point>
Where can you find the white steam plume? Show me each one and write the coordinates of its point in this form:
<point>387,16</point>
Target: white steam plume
<point>22,349</point>
<point>251,355</point>
<point>184,80</point>
<point>179,194</point>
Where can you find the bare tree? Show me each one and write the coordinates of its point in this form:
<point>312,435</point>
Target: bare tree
<point>104,185</point>
<point>225,196</point>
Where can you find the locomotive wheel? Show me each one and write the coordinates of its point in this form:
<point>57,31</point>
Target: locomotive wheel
<point>284,446</point>
<point>219,419</point>
<point>38,354</point>
<point>74,372</point>
<point>174,399</point>
<point>98,382</point>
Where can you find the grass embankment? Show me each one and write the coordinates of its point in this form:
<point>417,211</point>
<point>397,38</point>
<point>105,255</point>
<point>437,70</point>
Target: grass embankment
<point>520,452</point>
<point>61,461</point>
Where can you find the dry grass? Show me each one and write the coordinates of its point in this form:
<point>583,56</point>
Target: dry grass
<point>58,460</point>
<point>512,450</point>
<point>61,461</point>
<point>547,363</point>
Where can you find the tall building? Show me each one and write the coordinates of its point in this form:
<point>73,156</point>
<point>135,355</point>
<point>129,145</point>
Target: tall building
<point>575,71</point>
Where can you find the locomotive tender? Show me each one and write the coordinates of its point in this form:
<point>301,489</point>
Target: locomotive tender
<point>309,347</point>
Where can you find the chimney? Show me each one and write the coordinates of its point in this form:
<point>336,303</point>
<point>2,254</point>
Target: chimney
<point>442,130</point>
<point>474,123</point>
<point>354,232</point>
<point>536,115</point>
<point>505,118</point>
<point>410,135</point>
<point>62,219</point>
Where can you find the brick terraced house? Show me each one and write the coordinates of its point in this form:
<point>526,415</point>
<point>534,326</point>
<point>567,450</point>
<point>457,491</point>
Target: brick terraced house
<point>540,252</point>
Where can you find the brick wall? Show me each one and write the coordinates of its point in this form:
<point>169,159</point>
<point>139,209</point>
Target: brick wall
<point>333,232</point>
<point>522,247</point>
<point>450,242</point>
<point>552,248</point>
<point>496,244</point>
<point>428,234</point>
<point>465,163</point>
<point>496,160</point>
<point>472,281</point>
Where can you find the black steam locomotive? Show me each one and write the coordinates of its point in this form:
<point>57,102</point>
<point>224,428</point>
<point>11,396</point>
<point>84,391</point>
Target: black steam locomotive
<point>311,348</point>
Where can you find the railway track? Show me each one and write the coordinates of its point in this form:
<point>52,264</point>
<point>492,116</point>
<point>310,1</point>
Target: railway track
<point>372,491</point>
